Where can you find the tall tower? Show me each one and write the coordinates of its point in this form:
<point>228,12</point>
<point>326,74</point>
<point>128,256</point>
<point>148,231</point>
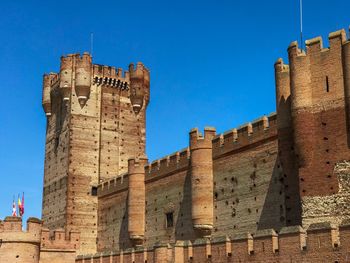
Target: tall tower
<point>313,129</point>
<point>95,123</point>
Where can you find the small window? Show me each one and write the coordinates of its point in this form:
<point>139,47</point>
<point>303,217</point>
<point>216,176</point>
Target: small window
<point>169,219</point>
<point>94,191</point>
<point>327,84</point>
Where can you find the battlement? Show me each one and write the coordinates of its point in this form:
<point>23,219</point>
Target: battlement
<point>171,163</point>
<point>59,240</point>
<point>136,165</point>
<point>115,185</point>
<point>11,230</point>
<point>111,77</point>
<point>336,39</point>
<point>198,141</point>
<point>167,165</point>
<point>102,74</point>
<point>245,136</point>
<point>280,66</point>
<point>260,246</point>
<point>140,71</point>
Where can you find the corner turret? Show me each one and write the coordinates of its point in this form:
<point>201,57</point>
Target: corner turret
<point>46,101</point>
<point>83,68</point>
<point>139,86</point>
<point>66,76</point>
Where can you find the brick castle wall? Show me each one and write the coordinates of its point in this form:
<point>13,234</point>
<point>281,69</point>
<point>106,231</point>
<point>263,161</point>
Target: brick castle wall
<point>248,194</point>
<point>322,242</point>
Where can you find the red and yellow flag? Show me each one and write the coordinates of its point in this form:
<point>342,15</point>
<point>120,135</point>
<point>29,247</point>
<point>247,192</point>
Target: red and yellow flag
<point>21,205</point>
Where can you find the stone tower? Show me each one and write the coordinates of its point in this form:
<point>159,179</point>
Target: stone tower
<point>313,122</point>
<point>95,123</point>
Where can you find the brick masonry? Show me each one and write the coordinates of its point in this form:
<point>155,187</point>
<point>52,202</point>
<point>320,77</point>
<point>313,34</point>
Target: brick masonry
<point>36,244</point>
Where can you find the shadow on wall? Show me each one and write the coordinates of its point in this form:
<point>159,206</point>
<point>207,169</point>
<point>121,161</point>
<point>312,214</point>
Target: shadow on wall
<point>183,225</point>
<point>273,210</point>
<point>124,240</point>
<point>282,205</point>
<point>60,110</point>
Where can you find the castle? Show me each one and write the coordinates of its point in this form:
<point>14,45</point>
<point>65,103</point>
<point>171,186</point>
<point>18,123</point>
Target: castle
<point>276,189</point>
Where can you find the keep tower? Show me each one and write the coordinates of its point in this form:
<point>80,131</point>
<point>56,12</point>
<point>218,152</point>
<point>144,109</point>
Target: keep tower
<point>95,123</point>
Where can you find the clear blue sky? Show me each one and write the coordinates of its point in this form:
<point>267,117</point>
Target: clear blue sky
<point>211,64</point>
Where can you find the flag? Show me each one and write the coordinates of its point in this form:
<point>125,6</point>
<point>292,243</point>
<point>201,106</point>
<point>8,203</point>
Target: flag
<point>14,208</point>
<point>22,206</point>
<point>19,206</point>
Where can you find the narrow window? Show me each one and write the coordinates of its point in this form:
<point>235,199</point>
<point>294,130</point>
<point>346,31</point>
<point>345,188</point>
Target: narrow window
<point>169,219</point>
<point>327,84</point>
<point>94,191</point>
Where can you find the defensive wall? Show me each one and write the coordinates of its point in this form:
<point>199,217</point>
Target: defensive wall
<point>321,243</point>
<point>36,244</point>
<point>247,191</point>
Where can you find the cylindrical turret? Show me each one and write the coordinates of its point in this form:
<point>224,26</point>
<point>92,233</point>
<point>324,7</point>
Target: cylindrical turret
<point>83,77</point>
<point>202,180</point>
<point>66,76</point>
<point>301,100</point>
<point>47,93</point>
<point>139,86</point>
<point>136,200</point>
<point>282,94</point>
<point>346,72</point>
<point>285,142</point>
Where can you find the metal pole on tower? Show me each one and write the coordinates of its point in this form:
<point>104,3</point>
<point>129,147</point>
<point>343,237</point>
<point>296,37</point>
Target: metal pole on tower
<point>91,43</point>
<point>301,23</point>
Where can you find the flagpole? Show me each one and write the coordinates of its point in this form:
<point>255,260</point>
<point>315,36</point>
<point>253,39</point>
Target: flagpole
<point>301,23</point>
<point>91,43</point>
<point>13,203</point>
<point>18,206</point>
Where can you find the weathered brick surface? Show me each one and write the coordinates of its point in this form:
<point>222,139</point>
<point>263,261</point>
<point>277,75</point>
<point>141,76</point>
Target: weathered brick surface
<point>92,131</point>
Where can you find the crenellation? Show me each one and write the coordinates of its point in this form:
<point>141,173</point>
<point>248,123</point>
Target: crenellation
<point>245,135</point>
<point>114,185</point>
<point>314,45</point>
<point>12,223</point>
<point>58,239</point>
<point>280,66</point>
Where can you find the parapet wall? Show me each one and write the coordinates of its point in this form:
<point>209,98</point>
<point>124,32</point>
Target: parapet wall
<point>322,242</point>
<point>58,246</point>
<point>35,244</point>
<point>17,245</point>
<point>233,141</point>
<point>59,240</point>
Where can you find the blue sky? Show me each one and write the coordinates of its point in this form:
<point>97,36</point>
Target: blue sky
<point>211,64</point>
